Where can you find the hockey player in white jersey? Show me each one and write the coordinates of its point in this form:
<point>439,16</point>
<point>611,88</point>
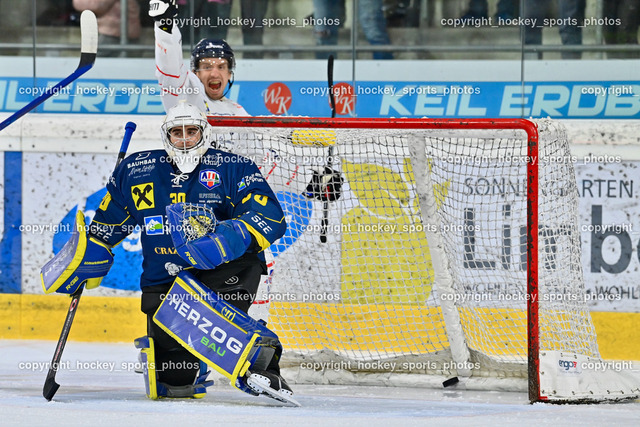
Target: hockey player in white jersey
<point>205,85</point>
<point>210,75</point>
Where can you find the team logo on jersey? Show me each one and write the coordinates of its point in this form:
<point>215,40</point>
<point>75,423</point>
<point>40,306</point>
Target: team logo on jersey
<point>242,185</point>
<point>143,196</point>
<point>210,178</point>
<point>153,225</point>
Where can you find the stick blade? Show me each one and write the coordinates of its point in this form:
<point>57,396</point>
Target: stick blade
<point>89,32</point>
<point>88,51</point>
<point>50,388</point>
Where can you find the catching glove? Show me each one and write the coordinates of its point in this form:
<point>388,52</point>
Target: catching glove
<point>189,225</point>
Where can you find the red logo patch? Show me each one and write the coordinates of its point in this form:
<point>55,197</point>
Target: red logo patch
<point>209,178</point>
<point>277,98</point>
<point>344,96</point>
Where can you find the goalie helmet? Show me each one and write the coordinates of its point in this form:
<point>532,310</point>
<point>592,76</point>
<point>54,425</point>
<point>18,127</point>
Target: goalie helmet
<point>184,115</point>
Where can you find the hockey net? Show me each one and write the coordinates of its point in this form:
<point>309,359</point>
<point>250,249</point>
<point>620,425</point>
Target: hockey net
<point>421,271</point>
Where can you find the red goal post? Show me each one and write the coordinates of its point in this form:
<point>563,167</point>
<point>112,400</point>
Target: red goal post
<point>312,132</point>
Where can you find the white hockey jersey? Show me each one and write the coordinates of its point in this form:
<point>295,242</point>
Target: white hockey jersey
<point>178,82</point>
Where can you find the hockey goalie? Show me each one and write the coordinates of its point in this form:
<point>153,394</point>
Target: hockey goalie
<point>206,217</point>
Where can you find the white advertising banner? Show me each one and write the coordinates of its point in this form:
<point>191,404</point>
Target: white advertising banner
<point>610,227</point>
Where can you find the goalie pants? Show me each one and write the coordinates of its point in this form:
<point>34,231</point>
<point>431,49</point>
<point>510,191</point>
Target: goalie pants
<point>236,282</point>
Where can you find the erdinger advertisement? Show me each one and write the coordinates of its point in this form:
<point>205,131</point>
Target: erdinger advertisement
<point>446,89</point>
<point>570,99</point>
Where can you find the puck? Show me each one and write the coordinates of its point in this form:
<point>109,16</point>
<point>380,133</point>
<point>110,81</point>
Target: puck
<point>450,382</point>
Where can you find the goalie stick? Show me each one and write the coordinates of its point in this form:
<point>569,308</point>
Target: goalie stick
<point>50,385</point>
<point>88,50</point>
<point>332,100</point>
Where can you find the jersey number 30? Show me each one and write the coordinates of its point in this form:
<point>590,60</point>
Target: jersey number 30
<point>177,197</point>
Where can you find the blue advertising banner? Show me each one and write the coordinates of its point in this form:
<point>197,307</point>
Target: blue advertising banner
<point>504,99</point>
<point>597,99</point>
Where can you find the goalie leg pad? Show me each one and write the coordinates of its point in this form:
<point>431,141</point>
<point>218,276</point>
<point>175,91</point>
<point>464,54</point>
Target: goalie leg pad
<point>82,258</point>
<point>147,359</point>
<point>155,389</point>
<point>213,330</point>
<point>237,281</point>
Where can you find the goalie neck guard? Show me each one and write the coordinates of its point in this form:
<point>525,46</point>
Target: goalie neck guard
<point>184,151</point>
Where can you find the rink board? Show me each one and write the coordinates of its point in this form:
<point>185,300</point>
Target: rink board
<point>118,319</point>
<point>113,315</point>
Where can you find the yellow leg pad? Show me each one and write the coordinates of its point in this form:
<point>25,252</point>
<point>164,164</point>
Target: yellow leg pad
<point>148,359</point>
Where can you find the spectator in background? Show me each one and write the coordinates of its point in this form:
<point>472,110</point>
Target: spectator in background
<point>570,12</point>
<point>57,13</point>
<point>402,13</point>
<point>108,14</point>
<point>621,25</point>
<point>329,16</point>
<point>507,9</point>
<point>219,11</point>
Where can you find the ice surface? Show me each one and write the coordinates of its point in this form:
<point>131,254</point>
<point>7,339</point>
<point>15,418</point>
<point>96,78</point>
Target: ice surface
<point>98,387</point>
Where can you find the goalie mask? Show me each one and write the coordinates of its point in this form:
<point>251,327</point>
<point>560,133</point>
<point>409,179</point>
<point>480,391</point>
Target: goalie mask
<point>186,135</point>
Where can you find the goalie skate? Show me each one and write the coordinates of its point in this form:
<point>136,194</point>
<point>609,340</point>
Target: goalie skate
<point>260,382</point>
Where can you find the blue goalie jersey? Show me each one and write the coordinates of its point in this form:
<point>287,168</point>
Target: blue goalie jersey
<point>145,183</point>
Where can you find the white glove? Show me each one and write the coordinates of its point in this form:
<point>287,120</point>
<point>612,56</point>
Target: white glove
<point>161,10</point>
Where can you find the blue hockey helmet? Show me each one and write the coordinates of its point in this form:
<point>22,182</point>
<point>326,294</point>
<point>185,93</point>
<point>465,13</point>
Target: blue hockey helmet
<point>211,48</point>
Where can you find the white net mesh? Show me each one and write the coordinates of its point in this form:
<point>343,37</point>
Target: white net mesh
<point>196,221</point>
<point>367,299</point>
